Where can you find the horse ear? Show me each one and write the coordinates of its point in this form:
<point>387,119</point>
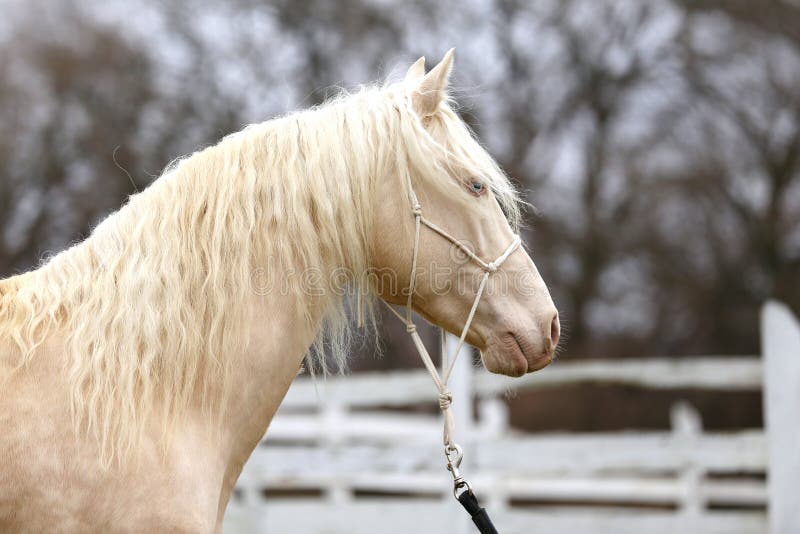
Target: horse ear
<point>432,88</point>
<point>416,71</point>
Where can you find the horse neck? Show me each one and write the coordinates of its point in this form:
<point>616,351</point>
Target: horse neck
<point>260,377</point>
<point>284,320</point>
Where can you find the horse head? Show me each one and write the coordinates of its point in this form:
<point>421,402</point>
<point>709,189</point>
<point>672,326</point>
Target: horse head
<point>448,213</point>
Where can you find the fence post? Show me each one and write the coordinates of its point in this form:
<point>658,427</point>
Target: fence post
<point>332,420</point>
<point>687,429</point>
<point>780,340</point>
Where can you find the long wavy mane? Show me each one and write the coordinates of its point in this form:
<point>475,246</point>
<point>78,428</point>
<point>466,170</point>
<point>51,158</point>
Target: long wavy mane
<point>150,305</point>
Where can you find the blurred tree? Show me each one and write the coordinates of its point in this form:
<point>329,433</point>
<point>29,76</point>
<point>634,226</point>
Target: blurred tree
<point>69,100</point>
<point>645,135</point>
<point>737,186</point>
<point>772,16</point>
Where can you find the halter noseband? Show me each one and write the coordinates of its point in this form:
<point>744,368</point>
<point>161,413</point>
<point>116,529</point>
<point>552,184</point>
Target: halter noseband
<point>453,451</point>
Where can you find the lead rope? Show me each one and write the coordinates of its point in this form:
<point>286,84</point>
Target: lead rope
<point>453,452</point>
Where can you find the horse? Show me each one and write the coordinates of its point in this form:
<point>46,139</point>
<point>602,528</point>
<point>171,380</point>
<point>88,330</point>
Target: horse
<point>142,366</point>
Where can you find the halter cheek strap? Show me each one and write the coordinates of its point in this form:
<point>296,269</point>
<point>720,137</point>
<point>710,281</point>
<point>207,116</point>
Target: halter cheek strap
<point>453,451</point>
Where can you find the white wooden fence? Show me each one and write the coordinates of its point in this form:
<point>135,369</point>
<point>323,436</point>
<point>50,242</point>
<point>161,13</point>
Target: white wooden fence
<point>347,455</point>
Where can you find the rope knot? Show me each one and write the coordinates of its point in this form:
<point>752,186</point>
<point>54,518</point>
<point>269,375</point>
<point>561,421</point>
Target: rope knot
<point>416,209</point>
<point>445,399</point>
<point>411,328</point>
<point>491,267</point>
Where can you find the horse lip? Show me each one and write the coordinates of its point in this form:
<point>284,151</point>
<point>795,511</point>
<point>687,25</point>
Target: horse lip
<point>535,362</point>
<point>518,370</point>
<point>540,362</point>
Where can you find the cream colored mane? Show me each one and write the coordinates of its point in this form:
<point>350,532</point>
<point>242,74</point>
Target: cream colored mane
<point>153,301</point>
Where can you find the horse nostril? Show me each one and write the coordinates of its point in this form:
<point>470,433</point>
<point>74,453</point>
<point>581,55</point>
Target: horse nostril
<point>555,330</point>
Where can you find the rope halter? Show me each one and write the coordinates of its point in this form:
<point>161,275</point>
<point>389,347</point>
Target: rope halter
<point>452,450</point>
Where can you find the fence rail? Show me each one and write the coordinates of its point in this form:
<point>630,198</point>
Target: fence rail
<point>403,388</point>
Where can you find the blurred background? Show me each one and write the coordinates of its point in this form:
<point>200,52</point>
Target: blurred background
<point>659,142</point>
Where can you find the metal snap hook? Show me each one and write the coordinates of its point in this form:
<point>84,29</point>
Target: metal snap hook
<point>455,454</point>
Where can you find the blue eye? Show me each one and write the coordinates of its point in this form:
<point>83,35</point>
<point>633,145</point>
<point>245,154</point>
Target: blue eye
<point>476,187</point>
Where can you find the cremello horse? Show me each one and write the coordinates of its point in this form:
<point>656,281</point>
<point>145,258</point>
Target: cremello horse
<point>141,367</point>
